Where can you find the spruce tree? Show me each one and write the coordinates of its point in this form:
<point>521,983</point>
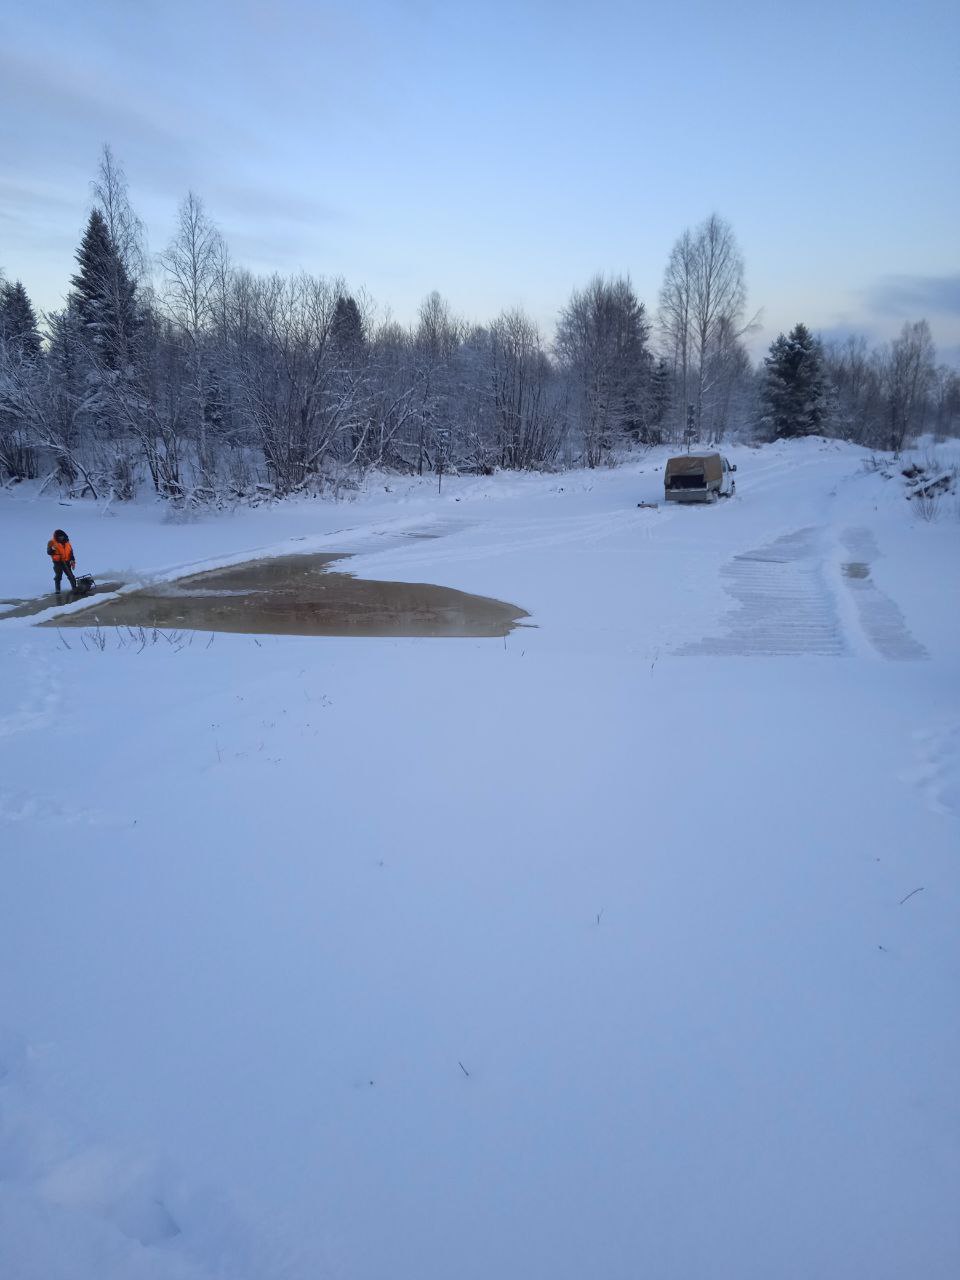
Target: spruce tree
<point>346,328</point>
<point>18,321</point>
<point>633,362</point>
<point>105,298</point>
<point>794,393</point>
<point>660,398</point>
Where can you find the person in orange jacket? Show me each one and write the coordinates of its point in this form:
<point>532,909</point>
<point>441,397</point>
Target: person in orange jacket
<point>61,553</point>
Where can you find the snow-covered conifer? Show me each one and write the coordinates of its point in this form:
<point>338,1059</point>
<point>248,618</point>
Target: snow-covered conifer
<point>18,321</point>
<point>347,328</point>
<point>794,390</point>
<point>105,297</point>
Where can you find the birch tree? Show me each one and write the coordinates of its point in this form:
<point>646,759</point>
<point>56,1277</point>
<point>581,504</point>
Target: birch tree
<point>193,265</point>
<point>674,318</point>
<point>126,231</point>
<point>701,316</point>
<point>526,416</point>
<point>602,345</point>
<point>908,379</point>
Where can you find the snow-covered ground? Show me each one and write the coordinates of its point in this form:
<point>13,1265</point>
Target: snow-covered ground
<point>624,947</point>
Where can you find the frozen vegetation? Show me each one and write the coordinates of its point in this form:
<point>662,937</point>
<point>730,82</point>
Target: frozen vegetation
<point>191,375</point>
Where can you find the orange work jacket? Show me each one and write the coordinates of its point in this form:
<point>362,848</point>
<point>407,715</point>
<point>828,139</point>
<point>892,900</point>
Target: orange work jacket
<point>60,552</point>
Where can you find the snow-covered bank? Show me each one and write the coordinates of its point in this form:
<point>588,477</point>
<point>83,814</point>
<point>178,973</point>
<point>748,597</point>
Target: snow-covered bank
<point>588,953</point>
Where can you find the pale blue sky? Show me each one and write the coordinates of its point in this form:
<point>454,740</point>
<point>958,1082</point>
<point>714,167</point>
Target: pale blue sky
<point>503,153</point>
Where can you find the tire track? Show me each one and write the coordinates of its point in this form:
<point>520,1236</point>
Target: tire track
<point>784,605</point>
<point>880,618</point>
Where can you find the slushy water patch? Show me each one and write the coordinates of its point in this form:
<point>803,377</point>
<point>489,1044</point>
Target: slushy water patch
<point>298,595</point>
<point>27,608</point>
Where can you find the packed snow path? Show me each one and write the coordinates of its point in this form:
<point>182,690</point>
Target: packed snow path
<point>624,947</point>
<point>787,604</point>
<point>882,622</point>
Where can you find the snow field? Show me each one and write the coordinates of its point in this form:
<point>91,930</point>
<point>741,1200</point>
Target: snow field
<point>591,952</point>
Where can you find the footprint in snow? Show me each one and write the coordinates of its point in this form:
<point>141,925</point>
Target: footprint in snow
<point>27,806</point>
<point>936,773</point>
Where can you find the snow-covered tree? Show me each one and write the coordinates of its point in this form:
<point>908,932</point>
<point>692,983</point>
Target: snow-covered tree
<point>525,409</point>
<point>347,330</point>
<point>855,396</point>
<point>908,379</point>
<point>220,381</point>
<point>660,392</point>
<point>18,321</point>
<point>602,344</point>
<point>436,343</point>
<point>794,392</point>
<point>946,401</point>
<point>192,268</point>
<point>674,318</point>
<point>701,323</point>
<point>21,382</point>
<point>125,229</point>
<point>106,298</point>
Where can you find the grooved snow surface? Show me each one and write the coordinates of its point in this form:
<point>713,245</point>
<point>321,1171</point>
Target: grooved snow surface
<point>597,952</point>
<point>786,606</point>
<point>880,617</point>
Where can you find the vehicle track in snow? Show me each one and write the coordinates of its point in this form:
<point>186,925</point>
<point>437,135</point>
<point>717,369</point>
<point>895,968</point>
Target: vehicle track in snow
<point>518,537</point>
<point>880,618</point>
<point>784,604</point>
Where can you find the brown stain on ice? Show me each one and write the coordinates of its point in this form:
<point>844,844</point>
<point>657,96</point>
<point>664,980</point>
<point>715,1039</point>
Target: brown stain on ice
<point>298,596</point>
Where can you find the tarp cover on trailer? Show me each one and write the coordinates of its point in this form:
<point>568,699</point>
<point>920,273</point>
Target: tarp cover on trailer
<point>707,464</point>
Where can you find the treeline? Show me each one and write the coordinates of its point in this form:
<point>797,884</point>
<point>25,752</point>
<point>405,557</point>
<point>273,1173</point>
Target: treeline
<point>882,398</point>
<point>213,383</point>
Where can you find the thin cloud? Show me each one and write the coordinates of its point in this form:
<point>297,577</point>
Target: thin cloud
<point>77,101</point>
<point>34,194</point>
<point>265,202</point>
<point>912,296</point>
<point>841,330</point>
